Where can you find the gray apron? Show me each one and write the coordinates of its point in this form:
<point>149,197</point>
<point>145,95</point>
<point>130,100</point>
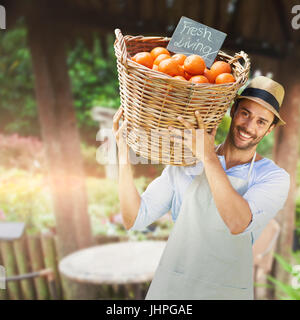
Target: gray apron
<point>202,260</point>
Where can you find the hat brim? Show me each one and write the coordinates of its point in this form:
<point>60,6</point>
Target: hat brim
<point>263,103</point>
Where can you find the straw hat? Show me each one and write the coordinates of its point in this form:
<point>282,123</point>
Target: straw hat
<point>267,92</point>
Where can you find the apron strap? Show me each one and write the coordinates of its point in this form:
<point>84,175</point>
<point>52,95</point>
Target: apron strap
<point>251,165</point>
<point>218,147</point>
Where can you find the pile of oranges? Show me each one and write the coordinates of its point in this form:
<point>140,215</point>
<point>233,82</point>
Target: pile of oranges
<point>179,66</point>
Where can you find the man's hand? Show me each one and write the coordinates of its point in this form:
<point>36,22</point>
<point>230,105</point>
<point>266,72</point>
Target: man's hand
<point>129,196</point>
<point>118,133</point>
<point>201,143</point>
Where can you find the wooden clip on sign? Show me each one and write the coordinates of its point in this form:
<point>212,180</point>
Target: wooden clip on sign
<point>191,37</point>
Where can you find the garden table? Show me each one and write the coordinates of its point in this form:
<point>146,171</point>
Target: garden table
<point>130,262</point>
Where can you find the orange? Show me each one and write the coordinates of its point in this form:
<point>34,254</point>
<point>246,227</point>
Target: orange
<point>199,79</point>
<point>209,75</point>
<point>187,75</point>
<point>180,70</point>
<point>169,66</point>
<point>194,64</point>
<point>179,57</point>
<point>219,67</point>
<point>159,50</point>
<point>160,58</point>
<point>224,78</point>
<point>143,58</point>
<point>180,77</point>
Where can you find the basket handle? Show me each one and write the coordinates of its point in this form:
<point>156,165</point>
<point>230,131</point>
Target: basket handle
<point>120,42</point>
<point>246,59</point>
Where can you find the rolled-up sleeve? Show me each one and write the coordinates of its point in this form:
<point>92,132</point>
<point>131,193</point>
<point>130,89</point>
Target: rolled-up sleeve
<point>266,198</point>
<point>156,200</point>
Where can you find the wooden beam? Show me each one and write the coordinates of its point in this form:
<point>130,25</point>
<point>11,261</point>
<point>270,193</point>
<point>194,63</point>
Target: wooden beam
<point>60,135</point>
<point>211,7</point>
<point>249,9</point>
<point>231,26</point>
<point>222,15</point>
<point>255,46</point>
<point>285,154</point>
<point>284,21</point>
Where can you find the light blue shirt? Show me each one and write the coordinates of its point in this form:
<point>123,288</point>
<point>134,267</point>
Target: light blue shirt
<point>267,192</point>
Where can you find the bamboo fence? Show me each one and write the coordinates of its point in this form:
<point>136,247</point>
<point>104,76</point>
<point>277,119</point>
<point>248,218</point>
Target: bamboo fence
<point>32,253</point>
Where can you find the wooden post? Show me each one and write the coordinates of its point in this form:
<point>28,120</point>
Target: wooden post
<point>50,260</point>
<point>7,253</point>
<point>74,290</point>
<point>59,132</point>
<point>285,154</point>
<point>22,263</point>
<point>37,264</point>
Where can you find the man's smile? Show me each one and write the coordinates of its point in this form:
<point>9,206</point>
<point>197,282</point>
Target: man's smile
<point>243,136</point>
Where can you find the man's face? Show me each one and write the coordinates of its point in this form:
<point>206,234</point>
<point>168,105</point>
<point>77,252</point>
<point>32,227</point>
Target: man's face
<point>250,123</point>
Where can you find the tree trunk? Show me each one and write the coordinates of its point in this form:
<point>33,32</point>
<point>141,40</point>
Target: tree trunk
<point>60,134</point>
<point>285,154</point>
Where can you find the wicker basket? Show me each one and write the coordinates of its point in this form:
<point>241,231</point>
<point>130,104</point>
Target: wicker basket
<point>152,100</point>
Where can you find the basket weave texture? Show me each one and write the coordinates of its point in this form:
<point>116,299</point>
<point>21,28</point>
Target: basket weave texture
<point>152,100</point>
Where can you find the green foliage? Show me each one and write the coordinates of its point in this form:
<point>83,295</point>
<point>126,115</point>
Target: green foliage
<point>26,197</point>
<point>21,152</point>
<point>17,104</point>
<point>265,146</point>
<point>297,218</point>
<point>298,174</point>
<point>94,83</point>
<point>91,166</point>
<point>223,129</point>
<point>291,293</point>
<point>297,221</point>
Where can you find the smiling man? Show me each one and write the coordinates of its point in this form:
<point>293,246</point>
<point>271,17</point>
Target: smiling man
<point>220,205</point>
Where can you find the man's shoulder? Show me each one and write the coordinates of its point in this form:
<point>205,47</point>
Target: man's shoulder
<point>267,169</point>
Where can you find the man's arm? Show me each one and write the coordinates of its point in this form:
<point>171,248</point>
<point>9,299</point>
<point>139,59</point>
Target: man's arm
<point>156,200</point>
<point>266,197</point>
<point>233,208</point>
<point>139,211</point>
<point>130,199</point>
<point>253,210</point>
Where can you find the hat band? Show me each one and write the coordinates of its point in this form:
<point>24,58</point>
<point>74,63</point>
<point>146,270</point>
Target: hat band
<point>262,94</point>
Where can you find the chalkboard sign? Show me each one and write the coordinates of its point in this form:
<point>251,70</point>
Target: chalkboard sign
<point>191,37</point>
